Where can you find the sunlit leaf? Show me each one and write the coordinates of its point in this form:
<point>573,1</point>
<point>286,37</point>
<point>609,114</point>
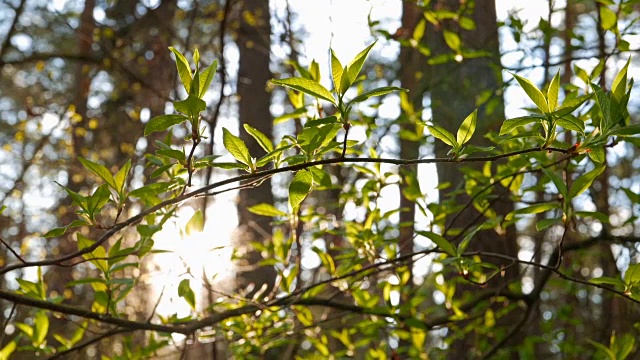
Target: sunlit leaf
<point>266,210</point>
<point>443,134</point>
<point>261,138</point>
<point>440,242</point>
<point>583,182</point>
<point>299,188</point>
<point>195,224</point>
<point>468,127</point>
<point>99,170</point>
<point>184,69</point>
<point>236,147</point>
<point>510,124</point>
<point>533,92</point>
<point>307,86</point>
<point>185,292</point>
<point>552,92</point>
<point>163,122</point>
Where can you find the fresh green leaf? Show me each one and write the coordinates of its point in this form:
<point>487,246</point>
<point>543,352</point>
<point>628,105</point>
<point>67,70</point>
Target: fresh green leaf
<point>533,92</point>
<point>583,182</point>
<point>120,178</point>
<point>41,328</point>
<point>608,18</point>
<point>185,292</point>
<point>376,92</point>
<point>532,209</point>
<point>236,147</point>
<point>356,65</point>
<point>324,121</point>
<point>336,72</point>
<point>467,128</point>
<point>440,242</point>
<point>206,77</point>
<point>628,130</point>
<point>619,86</point>
<point>195,224</point>
<point>299,188</point>
<point>545,223</point>
<point>570,122</point>
<point>192,106</point>
<point>632,275</point>
<point>163,122</point>
<point>452,39</point>
<point>307,86</point>
<point>510,124</point>
<point>571,105</point>
<point>443,134</point>
<point>552,92</point>
<point>266,210</point>
<point>605,106</point>
<point>597,154</point>
<point>261,138</point>
<point>184,69</point>
<point>557,181</point>
<point>99,170</point>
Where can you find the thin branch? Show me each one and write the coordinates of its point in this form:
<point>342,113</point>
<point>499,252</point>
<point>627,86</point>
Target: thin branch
<point>259,174</point>
<point>12,251</point>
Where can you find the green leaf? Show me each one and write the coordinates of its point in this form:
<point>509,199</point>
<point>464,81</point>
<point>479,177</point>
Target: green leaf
<point>336,72</point>
<point>236,147</point>
<point>557,181</point>
<point>510,124</point>
<point>184,69</point>
<point>608,18</point>
<point>266,210</point>
<point>163,122</point>
<point>261,138</point>
<point>61,230</point>
<point>583,182</point>
<point>192,106</point>
<point>195,224</point>
<point>206,77</point>
<point>467,128</point>
<point>570,122</point>
<point>324,121</point>
<point>8,349</point>
<point>41,328</point>
<point>532,209</point>
<point>173,154</point>
<point>443,134</point>
<point>619,86</point>
<point>552,92</point>
<point>307,86</point>
<point>314,71</point>
<point>632,275</point>
<point>571,105</point>
<point>607,280</point>
<point>533,92</point>
<point>97,257</point>
<point>545,223</point>
<point>376,92</point>
<point>299,188</point>
<point>120,178</point>
<point>597,154</point>
<point>356,65</point>
<point>603,218</point>
<point>628,130</point>
<point>185,292</point>
<point>99,170</point>
<point>605,107</point>
<point>440,242</point>
<point>97,201</point>
<point>452,39</point>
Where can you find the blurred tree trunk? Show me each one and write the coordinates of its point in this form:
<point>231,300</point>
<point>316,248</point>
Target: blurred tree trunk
<point>456,87</point>
<point>254,44</point>
<point>57,280</point>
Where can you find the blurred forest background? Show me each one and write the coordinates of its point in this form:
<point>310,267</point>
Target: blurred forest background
<point>82,78</point>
